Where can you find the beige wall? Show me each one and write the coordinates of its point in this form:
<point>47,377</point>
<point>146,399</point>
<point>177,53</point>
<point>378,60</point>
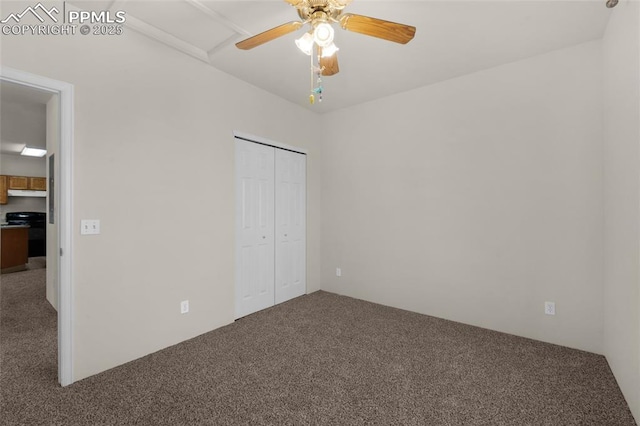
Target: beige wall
<point>622,199</point>
<point>476,199</point>
<point>153,160</point>
<point>19,165</point>
<point>22,123</point>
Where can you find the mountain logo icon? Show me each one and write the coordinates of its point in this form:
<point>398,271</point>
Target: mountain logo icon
<point>38,11</point>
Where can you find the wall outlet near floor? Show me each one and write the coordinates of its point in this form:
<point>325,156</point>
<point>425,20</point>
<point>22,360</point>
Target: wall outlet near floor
<point>550,308</point>
<point>338,272</point>
<point>184,307</point>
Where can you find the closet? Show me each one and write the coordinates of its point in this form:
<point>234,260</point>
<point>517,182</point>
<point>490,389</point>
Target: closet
<point>270,226</point>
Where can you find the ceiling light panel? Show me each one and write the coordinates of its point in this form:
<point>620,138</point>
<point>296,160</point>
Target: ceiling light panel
<point>33,152</point>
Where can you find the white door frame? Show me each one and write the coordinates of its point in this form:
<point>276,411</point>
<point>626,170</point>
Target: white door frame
<point>65,286</point>
<point>265,141</point>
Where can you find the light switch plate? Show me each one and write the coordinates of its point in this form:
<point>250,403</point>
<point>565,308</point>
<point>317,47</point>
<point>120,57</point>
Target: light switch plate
<point>90,227</point>
<point>550,308</point>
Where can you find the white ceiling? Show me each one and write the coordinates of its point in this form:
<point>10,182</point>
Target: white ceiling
<point>453,38</point>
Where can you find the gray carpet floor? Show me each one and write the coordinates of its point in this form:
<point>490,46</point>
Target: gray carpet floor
<point>38,262</point>
<point>318,359</point>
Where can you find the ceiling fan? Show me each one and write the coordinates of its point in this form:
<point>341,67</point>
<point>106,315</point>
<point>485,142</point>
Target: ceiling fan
<point>320,15</point>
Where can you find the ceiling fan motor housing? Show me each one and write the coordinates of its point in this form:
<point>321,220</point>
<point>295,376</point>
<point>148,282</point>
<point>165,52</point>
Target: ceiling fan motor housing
<point>318,4</point>
<point>310,10</point>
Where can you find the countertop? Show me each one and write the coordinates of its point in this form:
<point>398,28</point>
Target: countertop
<point>5,226</point>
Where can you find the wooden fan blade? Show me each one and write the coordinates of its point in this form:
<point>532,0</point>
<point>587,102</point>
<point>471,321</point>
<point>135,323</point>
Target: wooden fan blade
<point>330,64</point>
<point>269,35</point>
<point>386,30</point>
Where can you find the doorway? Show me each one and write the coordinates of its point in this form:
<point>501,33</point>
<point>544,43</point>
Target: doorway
<point>23,171</point>
<point>60,132</point>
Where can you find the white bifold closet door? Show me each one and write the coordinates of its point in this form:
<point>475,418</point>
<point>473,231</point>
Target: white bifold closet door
<point>270,226</point>
<point>290,225</point>
<point>255,210</point>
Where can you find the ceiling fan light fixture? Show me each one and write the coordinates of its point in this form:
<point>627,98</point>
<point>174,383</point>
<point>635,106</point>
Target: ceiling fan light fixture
<point>323,34</point>
<point>305,43</point>
<point>329,50</point>
<point>319,15</point>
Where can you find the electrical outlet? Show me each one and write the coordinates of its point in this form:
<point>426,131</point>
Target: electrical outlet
<point>184,307</point>
<point>338,272</point>
<point>549,308</point>
<point>90,227</point>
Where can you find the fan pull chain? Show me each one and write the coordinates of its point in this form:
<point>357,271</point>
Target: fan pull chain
<point>316,90</point>
<point>312,98</point>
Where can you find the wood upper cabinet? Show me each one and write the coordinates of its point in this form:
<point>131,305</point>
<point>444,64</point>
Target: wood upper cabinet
<point>18,182</point>
<point>3,190</point>
<point>37,183</point>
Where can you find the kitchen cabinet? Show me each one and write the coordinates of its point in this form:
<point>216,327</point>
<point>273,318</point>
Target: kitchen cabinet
<point>18,182</point>
<point>37,183</point>
<point>14,253</point>
<point>3,190</point>
<point>28,183</point>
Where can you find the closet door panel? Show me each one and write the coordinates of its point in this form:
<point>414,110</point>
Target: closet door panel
<point>290,254</point>
<point>254,227</point>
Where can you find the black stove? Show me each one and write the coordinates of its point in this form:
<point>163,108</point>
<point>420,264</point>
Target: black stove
<point>37,222</point>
